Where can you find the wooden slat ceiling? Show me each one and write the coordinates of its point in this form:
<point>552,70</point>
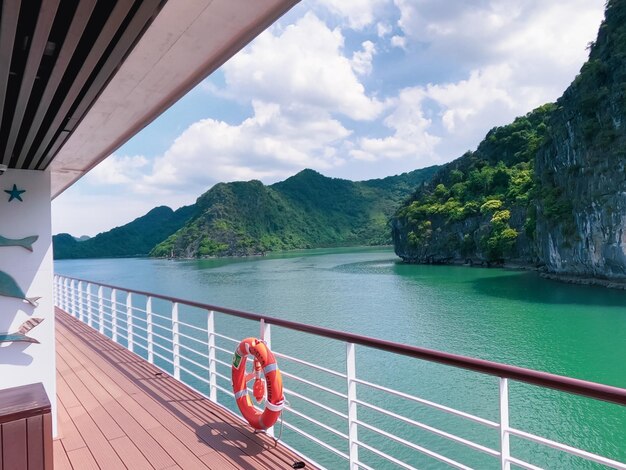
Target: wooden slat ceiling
<point>56,56</point>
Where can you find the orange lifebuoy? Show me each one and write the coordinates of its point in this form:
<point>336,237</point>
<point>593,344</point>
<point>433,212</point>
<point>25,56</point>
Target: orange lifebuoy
<point>265,362</point>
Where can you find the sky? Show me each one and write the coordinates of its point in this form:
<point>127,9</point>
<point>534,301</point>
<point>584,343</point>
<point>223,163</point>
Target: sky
<point>354,89</point>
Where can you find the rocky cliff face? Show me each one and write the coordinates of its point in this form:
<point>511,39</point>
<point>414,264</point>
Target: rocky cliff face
<point>581,170</point>
<point>571,217</point>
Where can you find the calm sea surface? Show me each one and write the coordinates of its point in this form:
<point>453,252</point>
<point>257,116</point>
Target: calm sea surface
<point>506,316</point>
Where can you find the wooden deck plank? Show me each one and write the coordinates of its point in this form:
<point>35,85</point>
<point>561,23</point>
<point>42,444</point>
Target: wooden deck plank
<point>149,420</point>
<point>129,452</point>
<point>106,424</point>
<point>97,443</point>
<point>61,462</point>
<point>68,432</point>
<point>153,452</point>
<point>177,450</point>
<point>81,459</point>
<point>176,445</point>
<point>65,391</point>
<point>150,448</point>
<point>233,438</point>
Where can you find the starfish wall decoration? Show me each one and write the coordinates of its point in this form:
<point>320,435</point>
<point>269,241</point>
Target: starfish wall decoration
<point>15,193</point>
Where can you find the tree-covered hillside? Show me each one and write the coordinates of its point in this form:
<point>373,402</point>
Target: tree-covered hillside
<point>305,211</point>
<point>136,238</point>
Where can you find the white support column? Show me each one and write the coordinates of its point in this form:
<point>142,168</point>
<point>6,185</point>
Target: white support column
<point>114,314</point>
<point>100,310</point>
<point>89,305</point>
<point>505,448</point>
<point>73,311</point>
<point>210,325</point>
<point>266,335</point>
<point>55,292</point>
<point>129,321</point>
<point>150,337</point>
<point>352,406</point>
<point>81,301</point>
<point>175,341</point>
<point>66,298</point>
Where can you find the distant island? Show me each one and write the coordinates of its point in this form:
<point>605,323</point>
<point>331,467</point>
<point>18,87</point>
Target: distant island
<point>307,210</point>
<point>548,190</point>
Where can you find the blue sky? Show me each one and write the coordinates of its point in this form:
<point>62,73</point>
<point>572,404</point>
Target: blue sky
<point>355,89</point>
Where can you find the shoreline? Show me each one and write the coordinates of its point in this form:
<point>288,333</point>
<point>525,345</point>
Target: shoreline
<point>585,281</point>
<point>560,277</point>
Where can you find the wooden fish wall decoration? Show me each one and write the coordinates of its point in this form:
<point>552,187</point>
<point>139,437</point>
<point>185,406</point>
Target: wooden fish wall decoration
<point>20,335</point>
<point>9,288</point>
<point>23,242</point>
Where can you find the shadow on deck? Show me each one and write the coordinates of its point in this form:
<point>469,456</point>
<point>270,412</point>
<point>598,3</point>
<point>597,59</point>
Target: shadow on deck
<point>118,411</point>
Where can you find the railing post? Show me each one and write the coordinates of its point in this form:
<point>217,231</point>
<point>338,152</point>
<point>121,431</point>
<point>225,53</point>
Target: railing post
<point>352,406</point>
<point>210,326</point>
<point>129,320</point>
<point>505,449</point>
<point>66,294</point>
<point>89,306</point>
<point>175,341</point>
<point>81,309</point>
<point>114,314</point>
<point>55,285</point>
<point>73,298</point>
<point>150,337</point>
<point>100,310</point>
<point>63,294</point>
<point>266,335</point>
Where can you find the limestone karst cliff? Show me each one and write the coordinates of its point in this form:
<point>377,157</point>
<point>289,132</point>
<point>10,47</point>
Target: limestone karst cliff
<point>549,190</point>
<point>582,166</point>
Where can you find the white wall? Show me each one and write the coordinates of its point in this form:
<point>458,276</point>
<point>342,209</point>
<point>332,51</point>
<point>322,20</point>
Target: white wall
<point>25,363</point>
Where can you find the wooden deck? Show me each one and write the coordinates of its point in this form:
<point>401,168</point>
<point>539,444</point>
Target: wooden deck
<point>118,411</point>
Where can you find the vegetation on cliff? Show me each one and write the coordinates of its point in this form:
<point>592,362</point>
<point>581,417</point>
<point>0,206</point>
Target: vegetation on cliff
<point>466,210</point>
<point>307,210</point>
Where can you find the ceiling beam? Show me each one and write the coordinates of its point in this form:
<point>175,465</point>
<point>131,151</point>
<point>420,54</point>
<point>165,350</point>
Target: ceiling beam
<point>81,17</point>
<point>8,28</point>
<point>133,31</point>
<point>47,13</point>
<point>112,25</point>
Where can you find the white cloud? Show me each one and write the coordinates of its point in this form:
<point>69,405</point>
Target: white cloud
<point>410,139</point>
<point>481,33</point>
<point>362,60</point>
<point>398,41</point>
<point>303,64</point>
<point>118,169</point>
<point>383,29</point>
<point>272,144</point>
<point>464,100</point>
<point>509,57</point>
<point>357,13</point>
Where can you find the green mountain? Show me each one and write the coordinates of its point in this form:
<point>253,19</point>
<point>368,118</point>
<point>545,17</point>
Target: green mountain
<point>307,210</point>
<point>136,238</point>
<point>548,189</point>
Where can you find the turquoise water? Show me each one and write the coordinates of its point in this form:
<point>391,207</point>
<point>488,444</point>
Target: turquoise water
<point>513,317</point>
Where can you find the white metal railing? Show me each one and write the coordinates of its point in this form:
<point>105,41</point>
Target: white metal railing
<point>194,349</point>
